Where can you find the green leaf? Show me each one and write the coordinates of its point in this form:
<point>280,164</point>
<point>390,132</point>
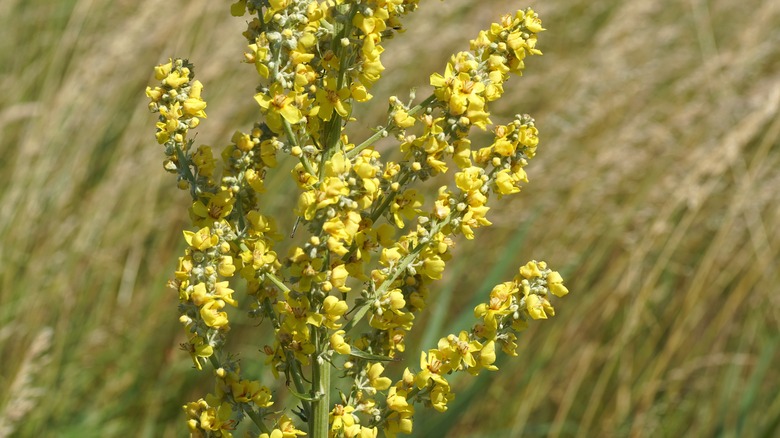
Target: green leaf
<point>303,397</point>
<point>363,355</point>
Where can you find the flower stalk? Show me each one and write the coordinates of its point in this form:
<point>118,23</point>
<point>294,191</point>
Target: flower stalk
<point>343,293</point>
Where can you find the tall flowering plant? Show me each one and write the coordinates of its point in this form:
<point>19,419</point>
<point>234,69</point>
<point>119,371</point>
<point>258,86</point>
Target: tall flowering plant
<point>366,246</point>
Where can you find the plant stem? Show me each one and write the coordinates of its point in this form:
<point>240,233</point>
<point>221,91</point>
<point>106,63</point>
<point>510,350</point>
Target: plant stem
<point>400,267</point>
<point>384,131</point>
<point>320,375</point>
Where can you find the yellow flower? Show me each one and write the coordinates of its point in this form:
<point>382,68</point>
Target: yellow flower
<point>210,312</point>
<point>504,183</point>
<point>358,431</point>
<point>373,24</point>
<point>176,79</point>
<point>440,396</point>
<point>396,400</point>
<point>258,55</point>
<point>359,92</point>
<point>487,356</point>
<point>406,206</point>
<point>402,119</point>
<point>288,428</point>
<point>431,367</point>
<point>469,179</point>
<point>226,268</point>
<point>398,423</point>
<point>202,239</point>
<point>465,94</point>
<point>530,270</point>
<point>555,283</point>
<point>218,419</point>
<point>504,147</point>
<point>338,278</point>
<point>341,417</point>
<point>278,105</point>
<point>258,256</point>
<point>304,76</point>
<point>194,105</point>
<point>462,154</point>
<point>338,343</point>
<point>459,350</point>
<point>531,20</point>
<point>278,5</point>
<point>276,433</point>
<point>477,116</point>
<point>371,69</point>
<point>498,305</point>
<point>393,300</point>
<point>300,57</point>
<point>199,295</point>
<point>529,136</point>
<point>437,165</point>
<point>154,94</point>
<point>330,192</point>
<point>170,126</point>
<point>203,159</point>
<point>163,70</point>
<point>330,99</point>
<point>443,84</point>
<point>216,207</point>
<point>474,218</point>
<point>302,177</point>
<point>259,223</point>
<point>433,267</point>
<point>245,391</point>
<point>198,348</point>
<point>224,292</point>
<point>332,309</point>
<point>298,315</point>
<point>534,306</point>
<point>442,205</point>
<point>375,378</point>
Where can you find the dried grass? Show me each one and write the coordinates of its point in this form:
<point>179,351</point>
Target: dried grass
<point>654,191</point>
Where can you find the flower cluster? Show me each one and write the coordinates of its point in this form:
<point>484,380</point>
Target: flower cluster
<point>346,289</point>
<point>510,306</point>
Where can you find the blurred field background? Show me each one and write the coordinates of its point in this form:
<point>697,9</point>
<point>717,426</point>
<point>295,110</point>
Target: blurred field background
<point>655,192</point>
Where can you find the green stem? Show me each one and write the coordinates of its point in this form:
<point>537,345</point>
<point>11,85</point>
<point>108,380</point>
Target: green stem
<point>277,282</point>
<point>422,105</point>
<point>400,267</point>
<point>389,198</point>
<point>370,140</point>
<point>255,417</point>
<point>293,366</point>
<point>289,133</point>
<point>307,165</point>
<point>320,375</point>
<point>297,376</point>
<point>184,170</point>
<point>332,130</point>
<point>382,132</point>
